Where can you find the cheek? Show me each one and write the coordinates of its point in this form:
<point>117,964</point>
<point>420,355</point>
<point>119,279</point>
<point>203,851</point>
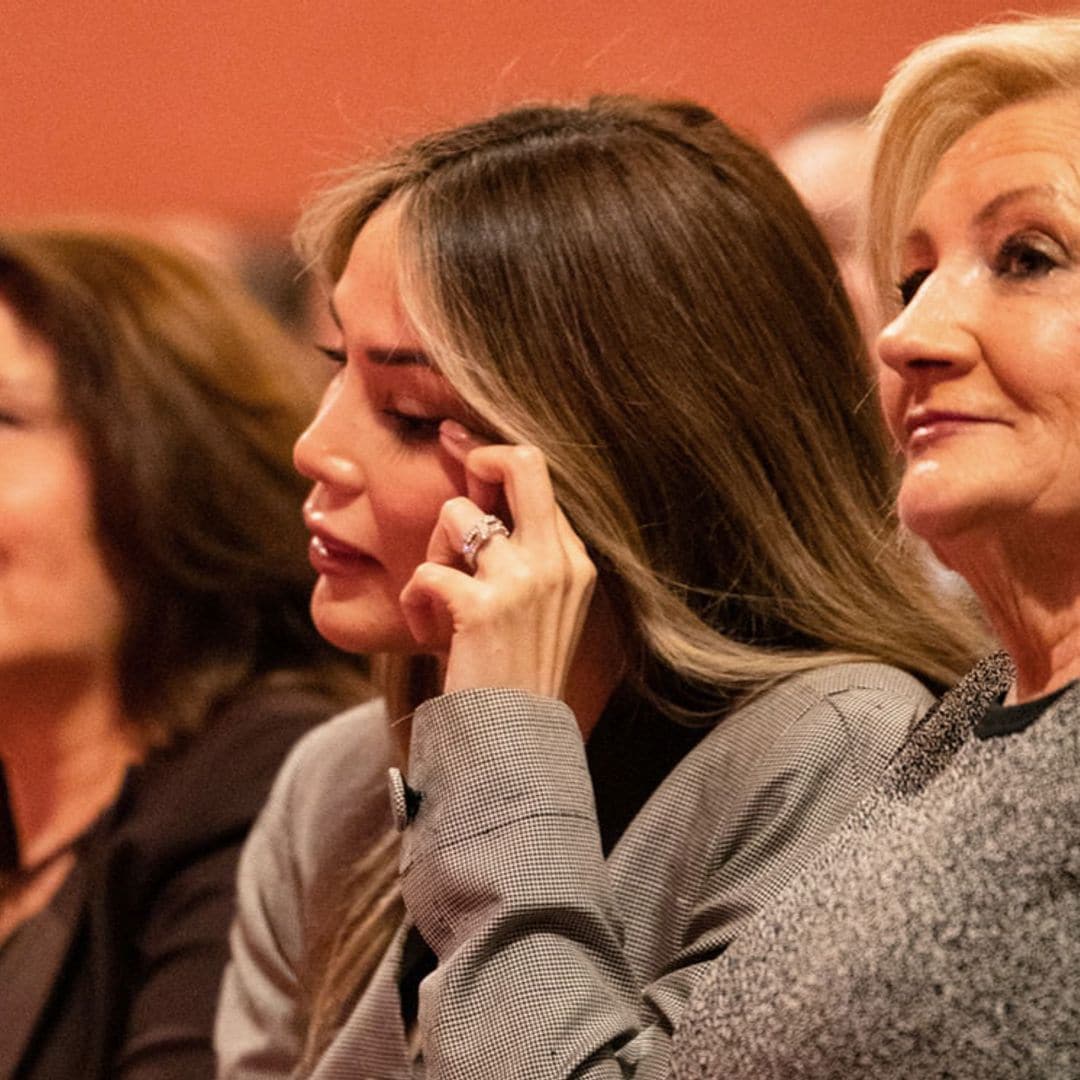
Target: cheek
<point>48,538</point>
<point>1037,360</point>
<point>45,505</point>
<point>406,516</point>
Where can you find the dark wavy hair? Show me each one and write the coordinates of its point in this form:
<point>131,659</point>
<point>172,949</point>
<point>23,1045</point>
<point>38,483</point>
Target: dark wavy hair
<point>188,397</point>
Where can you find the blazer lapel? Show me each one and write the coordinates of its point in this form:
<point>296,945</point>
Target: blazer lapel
<point>32,959</point>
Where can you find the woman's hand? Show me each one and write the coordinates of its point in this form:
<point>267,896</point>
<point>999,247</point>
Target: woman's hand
<point>516,621</point>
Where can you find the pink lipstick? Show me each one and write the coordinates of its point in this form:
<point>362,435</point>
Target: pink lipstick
<point>927,426</point>
<point>333,557</point>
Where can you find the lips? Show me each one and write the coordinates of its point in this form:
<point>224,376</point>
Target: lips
<point>925,426</point>
<point>328,555</point>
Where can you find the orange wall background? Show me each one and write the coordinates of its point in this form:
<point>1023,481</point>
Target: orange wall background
<point>233,107</point>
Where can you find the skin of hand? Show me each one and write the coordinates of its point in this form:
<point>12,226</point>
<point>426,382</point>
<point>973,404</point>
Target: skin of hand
<point>517,621</point>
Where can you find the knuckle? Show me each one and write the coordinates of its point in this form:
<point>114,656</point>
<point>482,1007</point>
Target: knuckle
<point>567,567</point>
<point>528,456</point>
<point>577,558</point>
<point>577,545</point>
<point>454,507</point>
<point>425,576</point>
<point>522,576</point>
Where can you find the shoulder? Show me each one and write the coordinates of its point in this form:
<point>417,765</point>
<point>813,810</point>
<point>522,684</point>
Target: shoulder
<point>1015,784</point>
<point>331,792</point>
<point>329,802</point>
<point>333,761</point>
<point>795,760</point>
<point>748,806</point>
<point>216,781</point>
<point>776,775</point>
<point>860,712</point>
<point>851,689</point>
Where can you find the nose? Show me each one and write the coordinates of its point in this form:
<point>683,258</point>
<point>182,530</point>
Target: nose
<point>326,450</point>
<point>934,337</point>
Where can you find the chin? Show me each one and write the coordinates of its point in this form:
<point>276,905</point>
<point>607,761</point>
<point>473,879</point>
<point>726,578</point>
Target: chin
<point>932,518</point>
<point>361,632</point>
<point>955,521</point>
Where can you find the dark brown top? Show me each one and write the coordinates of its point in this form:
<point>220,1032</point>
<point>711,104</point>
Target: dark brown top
<point>118,976</point>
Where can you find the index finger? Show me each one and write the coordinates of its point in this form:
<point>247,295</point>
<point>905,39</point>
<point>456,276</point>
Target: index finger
<point>500,478</point>
<point>460,442</point>
<point>522,472</point>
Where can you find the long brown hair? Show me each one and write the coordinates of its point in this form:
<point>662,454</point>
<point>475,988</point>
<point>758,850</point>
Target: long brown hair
<point>188,397</point>
<point>637,290</point>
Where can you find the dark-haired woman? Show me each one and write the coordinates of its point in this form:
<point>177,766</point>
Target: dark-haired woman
<point>156,659</point>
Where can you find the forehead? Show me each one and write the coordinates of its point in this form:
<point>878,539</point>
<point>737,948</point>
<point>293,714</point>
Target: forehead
<point>1032,143</point>
<point>367,296</point>
<point>26,360</point>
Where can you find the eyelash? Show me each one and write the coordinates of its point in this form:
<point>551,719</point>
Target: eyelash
<point>411,429</point>
<point>1029,251</point>
<point>335,356</point>
<point>414,430</point>
<point>1020,258</point>
<point>910,285</point>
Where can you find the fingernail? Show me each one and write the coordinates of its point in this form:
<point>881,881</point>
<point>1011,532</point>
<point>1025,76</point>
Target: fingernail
<point>456,433</point>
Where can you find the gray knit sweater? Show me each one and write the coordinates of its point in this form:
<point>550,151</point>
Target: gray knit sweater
<point>936,935</point>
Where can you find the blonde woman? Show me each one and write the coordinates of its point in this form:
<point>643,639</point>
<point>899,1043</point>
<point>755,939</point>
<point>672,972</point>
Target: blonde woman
<point>598,480</point>
<point>936,934</point>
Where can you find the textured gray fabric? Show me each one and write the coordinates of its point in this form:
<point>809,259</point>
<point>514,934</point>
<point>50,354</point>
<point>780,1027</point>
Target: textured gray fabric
<point>327,805</point>
<point>936,934</point>
<point>553,962</point>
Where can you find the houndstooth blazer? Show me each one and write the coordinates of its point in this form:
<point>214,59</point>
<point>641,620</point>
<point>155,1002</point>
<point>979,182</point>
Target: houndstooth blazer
<point>553,962</point>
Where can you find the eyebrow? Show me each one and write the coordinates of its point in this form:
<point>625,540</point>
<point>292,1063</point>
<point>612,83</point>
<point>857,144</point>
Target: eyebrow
<point>397,357</point>
<point>386,357</point>
<point>999,203</point>
<point>1007,198</point>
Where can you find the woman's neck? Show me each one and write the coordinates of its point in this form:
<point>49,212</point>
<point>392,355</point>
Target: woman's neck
<point>599,666</point>
<point>65,746</point>
<point>1029,589</point>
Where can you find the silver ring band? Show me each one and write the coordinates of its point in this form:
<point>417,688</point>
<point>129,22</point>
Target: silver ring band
<point>487,527</point>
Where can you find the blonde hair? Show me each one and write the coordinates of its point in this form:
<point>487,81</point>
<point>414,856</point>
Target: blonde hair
<point>944,88</point>
<point>638,291</point>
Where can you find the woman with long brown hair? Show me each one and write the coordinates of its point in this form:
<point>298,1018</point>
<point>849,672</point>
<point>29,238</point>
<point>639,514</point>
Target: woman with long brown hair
<point>156,657</point>
<point>597,480</point>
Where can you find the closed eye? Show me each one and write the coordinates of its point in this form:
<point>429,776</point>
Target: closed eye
<point>335,356</point>
<point>910,285</point>
<point>412,429</point>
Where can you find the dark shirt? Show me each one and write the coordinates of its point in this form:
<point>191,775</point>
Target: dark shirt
<point>118,976</point>
<point>1011,719</point>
